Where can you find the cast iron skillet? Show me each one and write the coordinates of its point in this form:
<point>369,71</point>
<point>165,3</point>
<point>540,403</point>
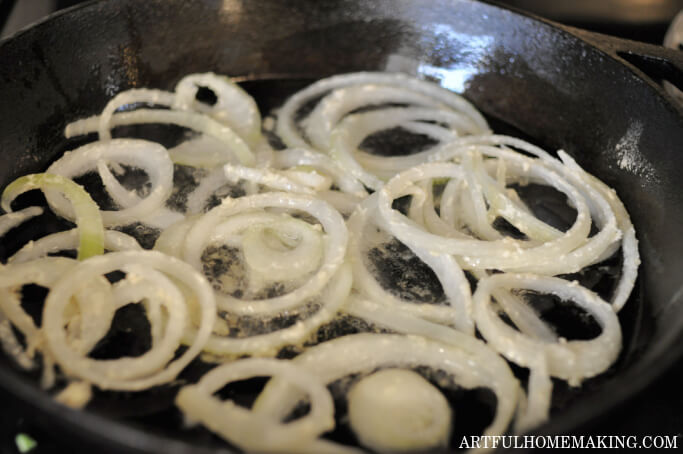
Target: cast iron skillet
<point>562,87</point>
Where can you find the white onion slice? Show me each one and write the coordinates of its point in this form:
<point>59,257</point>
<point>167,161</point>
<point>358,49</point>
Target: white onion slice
<point>567,254</point>
<point>334,246</point>
<point>350,133</point>
<point>234,145</point>
<point>234,107</point>
<point>569,360</point>
<point>332,300</point>
<point>43,272</point>
<point>11,220</point>
<point>448,272</point>
<point>149,156</point>
<point>361,353</point>
<point>269,178</point>
<point>293,157</point>
<point>340,102</point>
<point>108,374</point>
<point>287,129</point>
<point>252,431</point>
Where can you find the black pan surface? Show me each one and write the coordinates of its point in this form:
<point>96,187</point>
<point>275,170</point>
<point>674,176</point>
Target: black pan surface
<point>546,82</point>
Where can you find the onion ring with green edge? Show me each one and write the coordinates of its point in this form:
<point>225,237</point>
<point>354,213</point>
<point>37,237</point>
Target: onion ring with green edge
<point>75,364</point>
<point>88,216</point>
<point>253,431</point>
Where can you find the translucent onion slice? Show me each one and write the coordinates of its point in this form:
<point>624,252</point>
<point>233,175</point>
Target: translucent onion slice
<point>332,299</point>
<point>362,353</point>
<point>201,152</point>
<point>344,203</point>
<point>269,178</point>
<point>629,244</point>
<point>282,250</point>
<point>43,272</point>
<point>448,272</point>
<point>149,156</point>
<point>132,96</point>
<point>198,199</point>
<point>340,102</point>
<point>235,147</point>
<point>86,213</point>
<point>253,431</point>
<point>603,201</point>
<point>569,360</point>
<point>334,245</point>
<point>12,346</point>
<point>161,218</point>
<point>171,240</point>
<point>350,133</point>
<point>605,208</point>
<point>567,254</point>
<point>76,395</point>
<point>233,107</point>
<point>92,298</point>
<point>546,357</point>
<point>129,373</point>
<point>293,157</point>
<point>286,126</point>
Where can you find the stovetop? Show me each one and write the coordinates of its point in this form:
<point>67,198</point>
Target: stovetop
<point>658,410</point>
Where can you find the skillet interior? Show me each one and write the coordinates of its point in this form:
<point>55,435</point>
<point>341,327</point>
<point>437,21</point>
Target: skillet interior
<point>528,74</point>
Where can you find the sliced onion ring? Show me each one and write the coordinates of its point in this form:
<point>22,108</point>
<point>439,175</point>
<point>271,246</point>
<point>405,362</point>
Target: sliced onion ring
<point>86,368</point>
<point>88,218</point>
<point>254,431</point>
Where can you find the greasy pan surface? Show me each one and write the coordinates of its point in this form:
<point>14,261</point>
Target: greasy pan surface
<point>552,86</point>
